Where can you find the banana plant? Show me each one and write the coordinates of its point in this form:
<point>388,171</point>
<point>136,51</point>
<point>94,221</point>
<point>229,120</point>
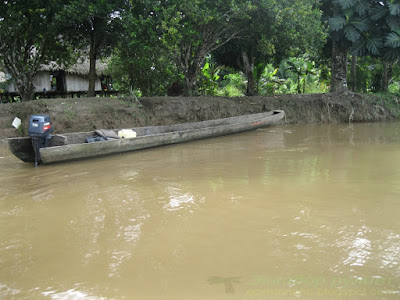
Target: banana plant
<point>269,80</point>
<point>210,78</point>
<point>302,67</point>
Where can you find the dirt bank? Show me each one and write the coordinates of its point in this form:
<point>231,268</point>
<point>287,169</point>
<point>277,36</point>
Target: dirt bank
<point>85,114</point>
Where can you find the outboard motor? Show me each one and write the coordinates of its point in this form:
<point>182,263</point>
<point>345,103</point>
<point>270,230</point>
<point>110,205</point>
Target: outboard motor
<point>39,131</point>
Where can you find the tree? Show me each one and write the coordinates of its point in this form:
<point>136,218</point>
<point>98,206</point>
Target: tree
<point>193,29</point>
<point>274,30</point>
<point>349,22</point>
<point>363,27</point>
<point>28,39</point>
<point>388,13</point>
<point>92,26</point>
<point>140,60</point>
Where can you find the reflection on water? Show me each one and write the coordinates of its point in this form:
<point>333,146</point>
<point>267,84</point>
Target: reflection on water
<point>304,211</point>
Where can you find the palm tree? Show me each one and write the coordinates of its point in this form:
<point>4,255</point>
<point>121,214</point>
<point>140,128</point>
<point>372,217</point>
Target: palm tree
<point>363,27</point>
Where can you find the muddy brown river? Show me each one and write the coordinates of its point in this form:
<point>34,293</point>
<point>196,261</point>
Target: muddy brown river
<point>306,211</point>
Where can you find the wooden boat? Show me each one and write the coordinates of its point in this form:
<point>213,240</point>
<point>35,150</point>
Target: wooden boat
<point>73,146</point>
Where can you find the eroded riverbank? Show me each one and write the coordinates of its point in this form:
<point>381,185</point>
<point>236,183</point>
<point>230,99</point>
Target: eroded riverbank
<point>85,114</point>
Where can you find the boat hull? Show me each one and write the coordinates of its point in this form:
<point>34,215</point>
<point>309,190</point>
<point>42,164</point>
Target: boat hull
<point>151,137</point>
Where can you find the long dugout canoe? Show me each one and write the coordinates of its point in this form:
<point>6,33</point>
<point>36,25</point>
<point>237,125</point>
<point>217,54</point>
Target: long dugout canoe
<point>73,146</point>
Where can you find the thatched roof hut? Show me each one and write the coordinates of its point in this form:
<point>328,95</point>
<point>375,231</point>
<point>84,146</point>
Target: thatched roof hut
<point>81,67</point>
<point>55,77</point>
<point>62,78</point>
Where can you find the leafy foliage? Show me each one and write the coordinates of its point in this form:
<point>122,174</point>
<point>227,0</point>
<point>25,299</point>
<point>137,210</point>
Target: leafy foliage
<point>28,39</point>
<point>210,77</point>
<point>274,30</point>
<point>140,60</point>
<point>190,30</point>
<point>301,66</point>
<point>368,27</point>
<point>393,39</point>
<point>156,44</point>
<point>337,23</point>
<point>232,85</point>
<point>91,26</point>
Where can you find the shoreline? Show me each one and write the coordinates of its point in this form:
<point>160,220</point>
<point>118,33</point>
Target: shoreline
<point>87,114</point>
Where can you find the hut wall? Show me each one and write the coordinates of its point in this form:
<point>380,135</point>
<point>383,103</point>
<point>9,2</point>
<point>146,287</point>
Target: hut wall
<point>42,81</point>
<point>10,88</point>
<point>97,85</point>
<point>79,83</point>
<point>74,83</point>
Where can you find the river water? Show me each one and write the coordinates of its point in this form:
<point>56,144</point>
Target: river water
<point>306,211</point>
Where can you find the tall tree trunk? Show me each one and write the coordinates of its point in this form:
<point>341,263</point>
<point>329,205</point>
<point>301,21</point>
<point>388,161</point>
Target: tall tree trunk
<point>190,67</point>
<point>193,69</point>
<point>339,68</point>
<point>27,95</point>
<point>191,82</point>
<point>92,69</point>
<point>385,76</point>
<point>353,73</point>
<point>248,65</point>
<point>24,86</point>
<point>298,83</point>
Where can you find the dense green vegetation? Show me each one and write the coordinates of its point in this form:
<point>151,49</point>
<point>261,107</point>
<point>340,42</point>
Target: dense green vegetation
<point>213,47</point>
